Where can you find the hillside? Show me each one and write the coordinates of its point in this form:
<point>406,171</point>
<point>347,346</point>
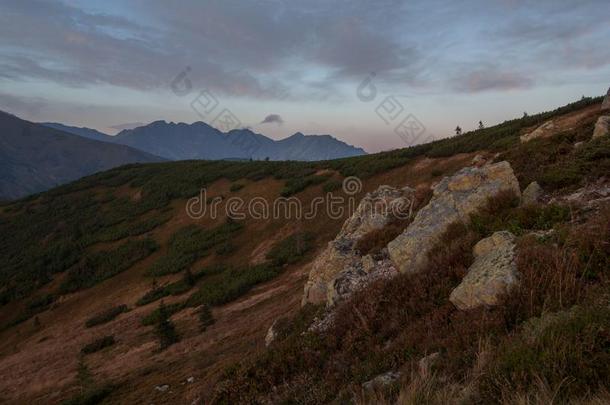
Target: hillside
<point>34,158</point>
<point>180,141</point>
<point>115,291</point>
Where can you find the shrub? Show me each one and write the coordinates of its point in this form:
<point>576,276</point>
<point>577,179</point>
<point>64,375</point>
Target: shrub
<point>90,396</point>
<point>205,317</point>
<point>503,212</point>
<point>165,329</point>
<point>158,314</point>
<point>100,266</point>
<point>190,243</point>
<point>236,187</point>
<point>98,344</point>
<point>290,250</point>
<point>332,185</point>
<point>105,316</point>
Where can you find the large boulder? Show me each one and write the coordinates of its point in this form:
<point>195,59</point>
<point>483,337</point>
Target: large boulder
<point>542,131</point>
<point>493,273</point>
<point>602,127</point>
<point>374,212</point>
<point>453,199</point>
<point>606,102</point>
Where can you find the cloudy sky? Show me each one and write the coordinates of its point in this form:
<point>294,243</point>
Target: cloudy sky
<point>350,68</point>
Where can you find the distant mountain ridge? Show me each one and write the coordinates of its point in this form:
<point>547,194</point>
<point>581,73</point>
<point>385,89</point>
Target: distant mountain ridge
<point>181,141</point>
<point>34,157</point>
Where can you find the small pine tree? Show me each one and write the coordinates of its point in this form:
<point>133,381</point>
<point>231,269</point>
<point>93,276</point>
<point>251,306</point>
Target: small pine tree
<point>165,329</point>
<point>525,115</point>
<point>458,131</point>
<point>205,317</point>
<point>189,278</point>
<point>481,126</point>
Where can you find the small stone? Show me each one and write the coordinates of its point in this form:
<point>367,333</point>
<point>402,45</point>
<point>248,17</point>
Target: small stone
<point>531,194</point>
<point>426,363</point>
<point>162,388</point>
<point>381,381</point>
<point>190,380</point>
<point>271,334</point>
<point>478,160</point>
<point>602,127</point>
<point>578,144</point>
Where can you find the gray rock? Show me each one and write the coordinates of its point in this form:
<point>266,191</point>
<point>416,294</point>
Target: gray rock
<point>190,380</point>
<point>454,199</point>
<point>531,194</point>
<point>271,334</point>
<point>602,127</point>
<point>542,131</point>
<point>426,363</point>
<point>382,380</point>
<point>493,273</point>
<point>374,212</point>
<point>162,388</point>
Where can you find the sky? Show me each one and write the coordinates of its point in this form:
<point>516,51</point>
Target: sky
<point>360,70</point>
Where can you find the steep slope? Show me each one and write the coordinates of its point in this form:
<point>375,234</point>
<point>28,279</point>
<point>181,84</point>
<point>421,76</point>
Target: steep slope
<point>34,158</point>
<point>76,254</point>
<point>80,131</point>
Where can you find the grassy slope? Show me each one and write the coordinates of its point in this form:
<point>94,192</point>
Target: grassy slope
<point>77,223</point>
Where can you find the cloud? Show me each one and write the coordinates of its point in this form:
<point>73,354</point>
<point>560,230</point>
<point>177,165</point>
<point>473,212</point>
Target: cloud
<point>488,79</point>
<point>273,119</point>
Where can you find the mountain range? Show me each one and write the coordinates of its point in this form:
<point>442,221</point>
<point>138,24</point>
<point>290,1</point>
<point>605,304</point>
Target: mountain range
<point>34,157</point>
<point>180,141</point>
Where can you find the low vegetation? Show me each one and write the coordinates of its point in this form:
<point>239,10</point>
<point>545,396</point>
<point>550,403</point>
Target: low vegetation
<point>106,316</point>
<point>191,243</point>
<point>98,344</point>
<point>368,336</point>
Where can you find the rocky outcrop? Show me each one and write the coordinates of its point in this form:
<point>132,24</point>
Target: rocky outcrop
<point>542,131</point>
<point>531,194</point>
<point>493,273</point>
<point>355,277</point>
<point>606,102</point>
<point>453,199</point>
<point>374,212</point>
<point>602,127</point>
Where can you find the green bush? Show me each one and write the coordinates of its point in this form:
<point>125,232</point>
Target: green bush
<point>189,244</point>
<point>97,267</point>
<point>105,316</point>
<point>291,249</point>
<point>236,187</point>
<point>158,314</point>
<point>165,329</point>
<point>98,344</point>
<point>92,396</point>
